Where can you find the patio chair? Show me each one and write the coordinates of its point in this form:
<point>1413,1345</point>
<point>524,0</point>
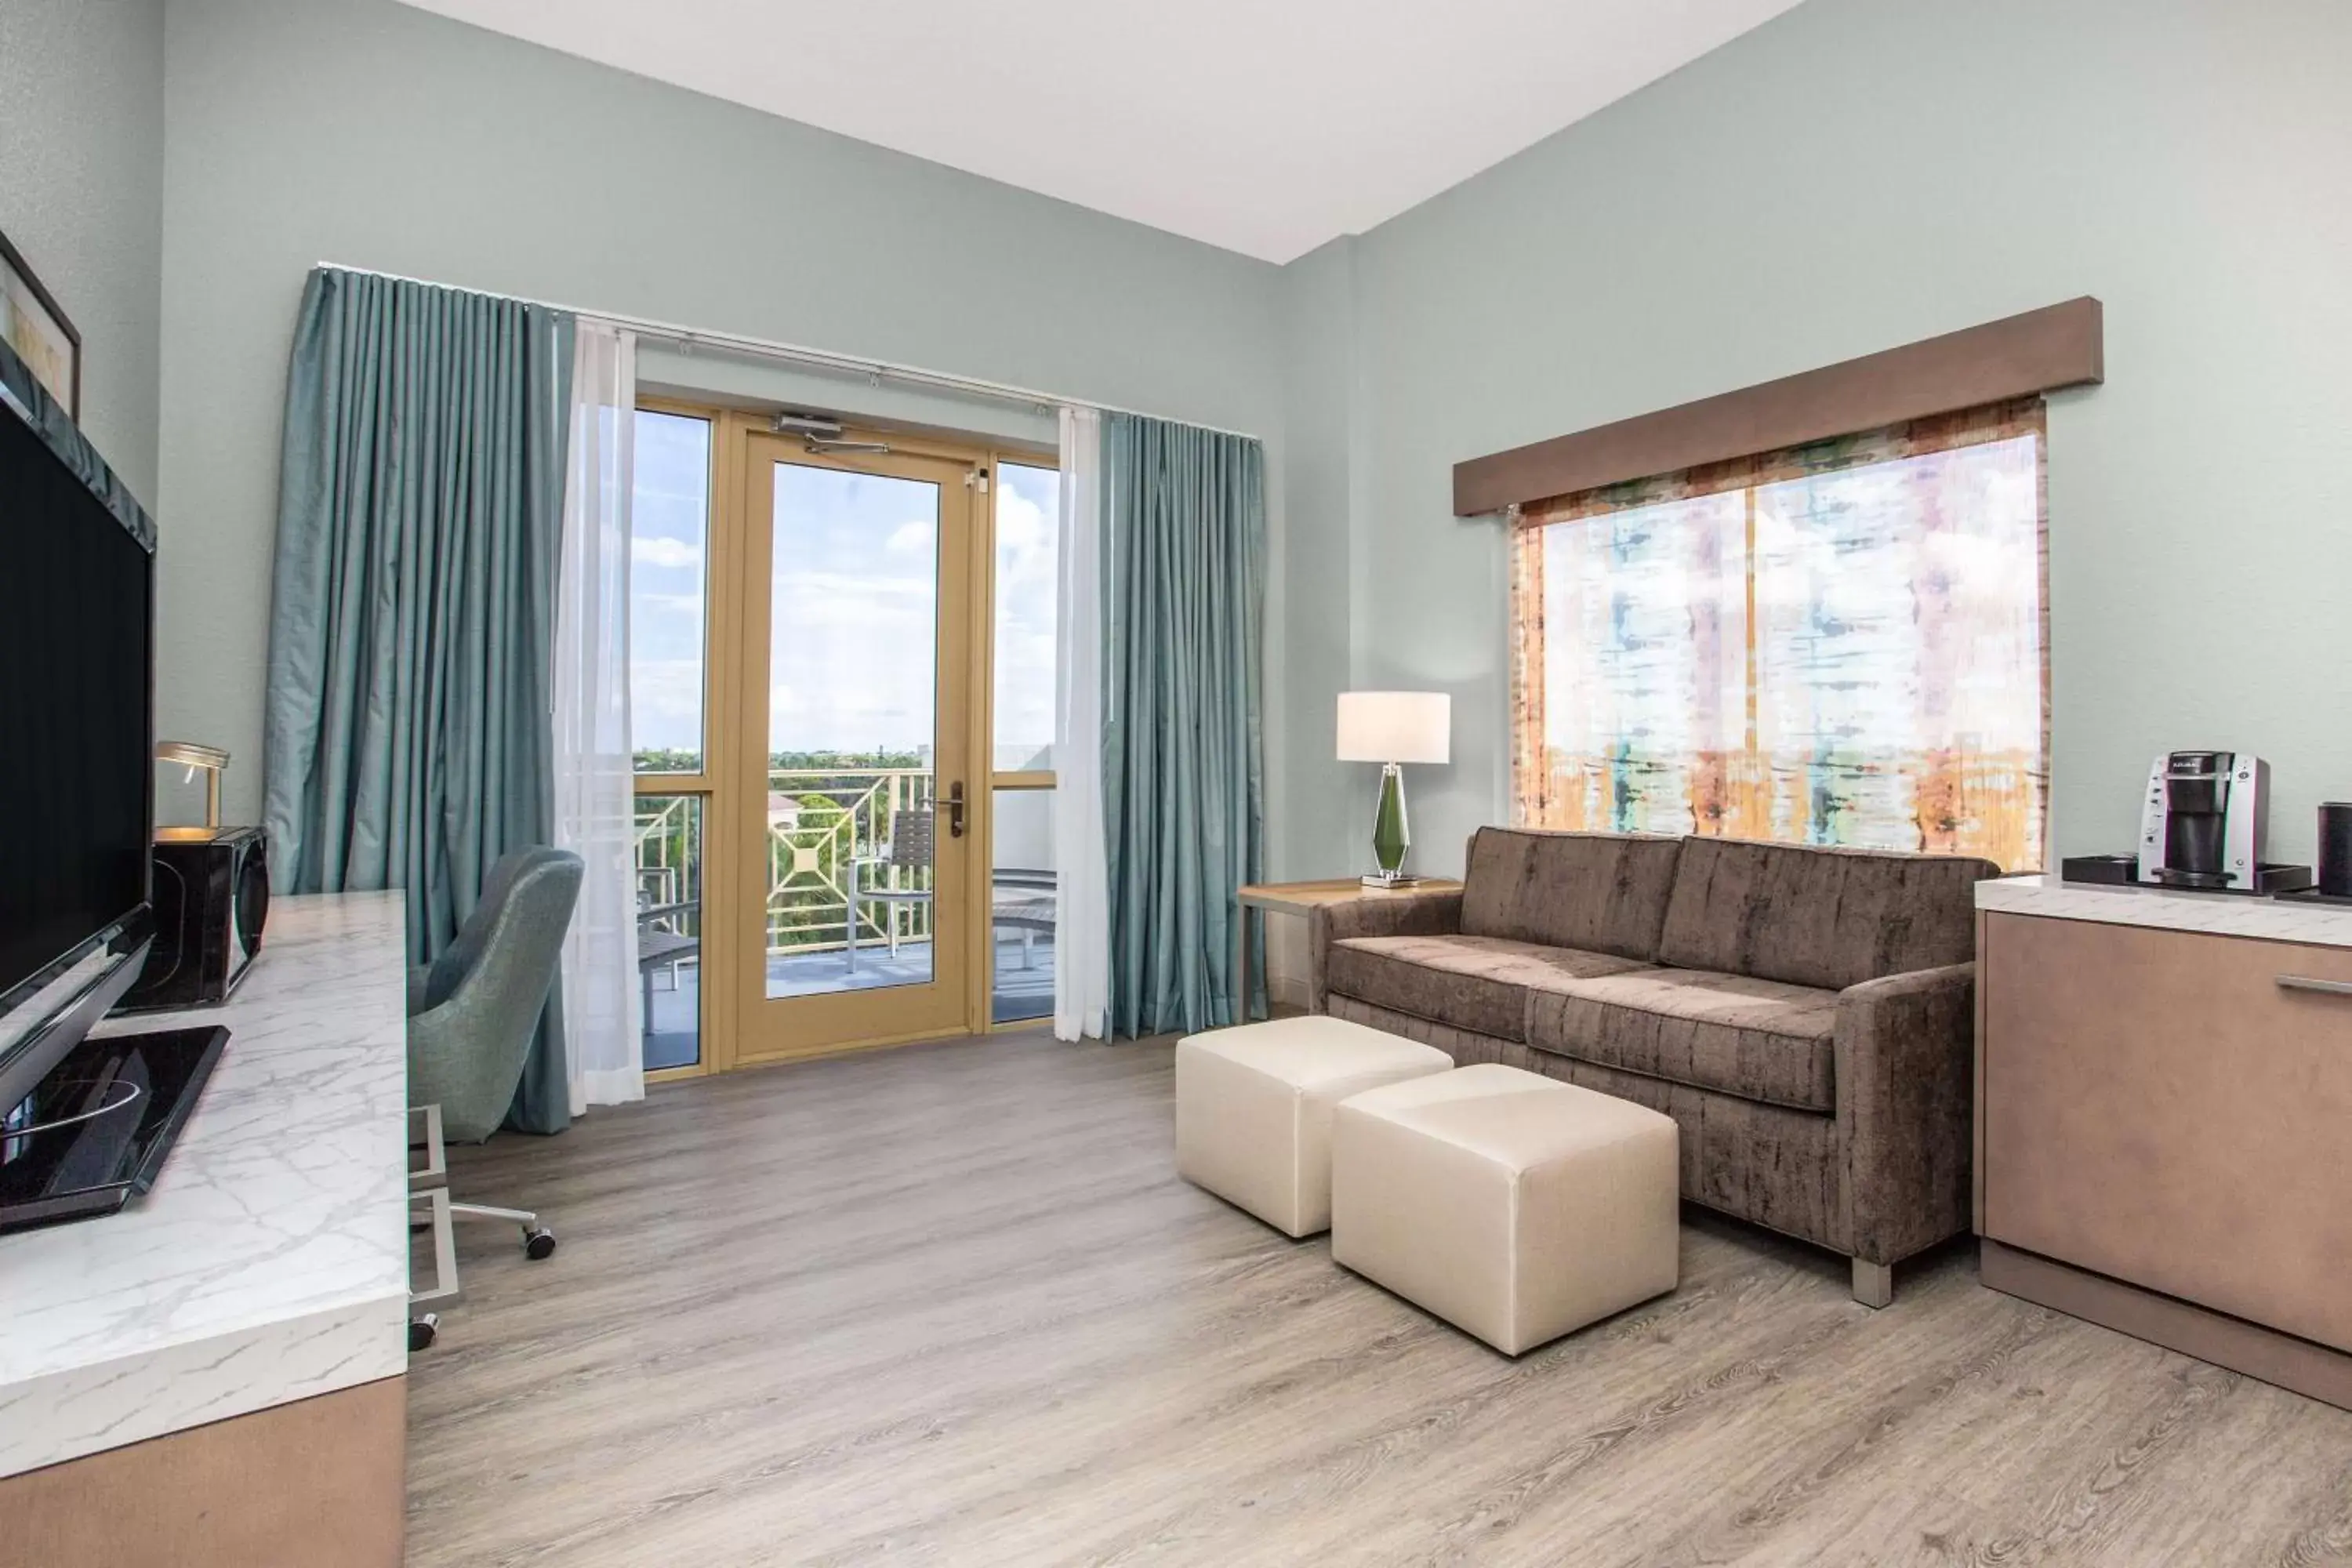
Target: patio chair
<point>1022,901</point>
<point>910,849</point>
<point>661,946</point>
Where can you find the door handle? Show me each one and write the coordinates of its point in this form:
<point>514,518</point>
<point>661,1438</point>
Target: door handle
<point>2304,983</point>
<point>954,804</point>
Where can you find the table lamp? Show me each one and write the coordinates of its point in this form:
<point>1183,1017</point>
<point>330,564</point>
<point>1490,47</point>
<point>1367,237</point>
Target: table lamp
<point>192,756</point>
<point>1392,728</point>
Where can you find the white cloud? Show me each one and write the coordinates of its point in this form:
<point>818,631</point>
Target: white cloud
<point>652,550</point>
<point>911,538</point>
<point>665,703</point>
<point>1021,522</point>
<point>1027,552</point>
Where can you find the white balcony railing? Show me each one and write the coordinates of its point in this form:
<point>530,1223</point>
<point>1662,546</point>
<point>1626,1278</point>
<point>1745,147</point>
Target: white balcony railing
<point>826,827</point>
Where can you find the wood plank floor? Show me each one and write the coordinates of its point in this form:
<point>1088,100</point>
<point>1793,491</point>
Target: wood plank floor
<point>950,1304</point>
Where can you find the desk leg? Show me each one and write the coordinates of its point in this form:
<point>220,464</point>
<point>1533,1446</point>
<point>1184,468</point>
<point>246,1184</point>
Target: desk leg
<point>1242,963</point>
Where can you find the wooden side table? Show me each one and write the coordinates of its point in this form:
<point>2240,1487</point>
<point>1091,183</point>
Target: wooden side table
<point>1305,899</point>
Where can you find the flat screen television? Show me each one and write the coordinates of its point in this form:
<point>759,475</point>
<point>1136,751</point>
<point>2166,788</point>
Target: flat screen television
<point>76,774</point>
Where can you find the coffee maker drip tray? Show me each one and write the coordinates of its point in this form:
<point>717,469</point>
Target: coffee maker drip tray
<point>2208,881</point>
<point>2271,879</point>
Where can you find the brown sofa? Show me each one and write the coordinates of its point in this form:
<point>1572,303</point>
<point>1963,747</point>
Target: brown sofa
<point>1804,1014</point>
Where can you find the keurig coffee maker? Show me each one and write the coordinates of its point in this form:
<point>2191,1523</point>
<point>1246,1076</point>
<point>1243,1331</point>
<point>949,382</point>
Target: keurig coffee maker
<point>2201,824</point>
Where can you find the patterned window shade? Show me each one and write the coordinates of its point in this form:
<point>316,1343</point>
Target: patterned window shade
<point>1843,643</point>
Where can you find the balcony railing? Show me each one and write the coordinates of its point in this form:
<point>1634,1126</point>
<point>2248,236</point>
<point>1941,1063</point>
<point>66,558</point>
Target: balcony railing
<point>670,859</point>
<point>826,827</point>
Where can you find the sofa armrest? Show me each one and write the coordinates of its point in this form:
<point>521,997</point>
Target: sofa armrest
<point>1906,1050</point>
<point>1433,913</point>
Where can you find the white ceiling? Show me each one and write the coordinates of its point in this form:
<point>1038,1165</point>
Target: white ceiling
<point>1265,126</point>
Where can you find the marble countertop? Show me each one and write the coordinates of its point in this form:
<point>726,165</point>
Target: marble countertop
<point>270,1261</point>
<point>2166,909</point>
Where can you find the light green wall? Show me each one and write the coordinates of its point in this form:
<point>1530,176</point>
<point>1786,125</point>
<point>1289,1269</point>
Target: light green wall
<point>1320,825</point>
<point>81,181</point>
<point>365,132</point>
<point>1855,175</point>
<point>1859,173</point>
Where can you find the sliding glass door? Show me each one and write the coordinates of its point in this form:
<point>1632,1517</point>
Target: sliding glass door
<point>842,692</point>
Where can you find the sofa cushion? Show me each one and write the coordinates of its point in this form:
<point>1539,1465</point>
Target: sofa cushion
<point>1816,916</point>
<point>1465,1046</point>
<point>1760,1039</point>
<point>1476,982</point>
<point>1598,892</point>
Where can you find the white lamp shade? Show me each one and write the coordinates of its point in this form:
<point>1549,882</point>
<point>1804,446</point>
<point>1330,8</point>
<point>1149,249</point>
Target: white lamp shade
<point>1395,727</point>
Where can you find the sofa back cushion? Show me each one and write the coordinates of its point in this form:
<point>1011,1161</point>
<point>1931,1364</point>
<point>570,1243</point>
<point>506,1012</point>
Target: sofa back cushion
<point>1810,915</point>
<point>1602,892</point>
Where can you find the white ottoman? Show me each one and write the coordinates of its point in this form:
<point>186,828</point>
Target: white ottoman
<point>1253,1108</point>
<point>1510,1204</point>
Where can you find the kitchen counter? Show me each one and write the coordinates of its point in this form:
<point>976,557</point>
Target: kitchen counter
<point>2169,909</point>
<point>270,1264</point>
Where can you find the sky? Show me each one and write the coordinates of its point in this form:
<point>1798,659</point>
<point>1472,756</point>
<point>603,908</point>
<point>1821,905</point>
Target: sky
<point>669,529</point>
<point>853,645</point>
<point>1028,556</point>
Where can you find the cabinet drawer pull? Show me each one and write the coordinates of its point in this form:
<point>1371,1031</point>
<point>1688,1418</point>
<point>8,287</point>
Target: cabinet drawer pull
<point>2305,983</point>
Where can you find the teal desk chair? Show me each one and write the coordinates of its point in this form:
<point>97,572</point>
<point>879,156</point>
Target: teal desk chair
<point>472,1015</point>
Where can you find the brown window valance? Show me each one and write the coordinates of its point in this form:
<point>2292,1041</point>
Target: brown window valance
<point>2017,357</point>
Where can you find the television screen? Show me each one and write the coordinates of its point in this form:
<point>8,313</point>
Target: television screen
<point>76,774</point>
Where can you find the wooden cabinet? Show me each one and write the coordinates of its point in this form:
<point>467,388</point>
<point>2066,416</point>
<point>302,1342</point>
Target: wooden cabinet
<point>2172,1111</point>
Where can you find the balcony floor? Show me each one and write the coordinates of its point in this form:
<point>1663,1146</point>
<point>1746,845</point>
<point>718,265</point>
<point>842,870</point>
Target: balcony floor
<point>1016,992</point>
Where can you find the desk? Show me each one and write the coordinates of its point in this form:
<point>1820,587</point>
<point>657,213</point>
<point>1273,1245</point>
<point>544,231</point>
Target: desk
<point>1305,899</point>
<point>224,1360</point>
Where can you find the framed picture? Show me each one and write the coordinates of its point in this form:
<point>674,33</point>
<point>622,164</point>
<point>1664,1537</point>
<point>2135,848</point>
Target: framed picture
<point>33,324</point>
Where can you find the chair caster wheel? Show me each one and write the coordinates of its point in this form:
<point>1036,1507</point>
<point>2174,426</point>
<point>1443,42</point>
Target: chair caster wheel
<point>538,1244</point>
<point>421,1331</point>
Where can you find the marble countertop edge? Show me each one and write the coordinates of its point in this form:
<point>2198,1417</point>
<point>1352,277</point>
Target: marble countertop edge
<point>390,1297</point>
<point>68,1414</point>
<point>2166,909</point>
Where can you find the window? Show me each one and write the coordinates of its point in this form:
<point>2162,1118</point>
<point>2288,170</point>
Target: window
<point>669,928</point>
<point>669,535</point>
<point>1028,562</point>
<point>1021,906</point>
<point>1022,876</point>
<point>670,544</point>
<point>1838,644</point>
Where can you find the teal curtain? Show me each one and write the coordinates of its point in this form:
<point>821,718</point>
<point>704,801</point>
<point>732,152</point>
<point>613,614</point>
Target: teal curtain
<point>413,608</point>
<point>1183,775</point>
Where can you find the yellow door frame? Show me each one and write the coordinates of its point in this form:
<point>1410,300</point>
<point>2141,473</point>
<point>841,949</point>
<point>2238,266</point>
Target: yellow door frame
<point>737,586</point>
<point>772,1029</point>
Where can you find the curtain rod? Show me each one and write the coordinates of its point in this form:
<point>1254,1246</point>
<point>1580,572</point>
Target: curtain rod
<point>873,370</point>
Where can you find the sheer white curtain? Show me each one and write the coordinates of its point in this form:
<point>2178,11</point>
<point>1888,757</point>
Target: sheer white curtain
<point>595,805</point>
<point>1082,887</point>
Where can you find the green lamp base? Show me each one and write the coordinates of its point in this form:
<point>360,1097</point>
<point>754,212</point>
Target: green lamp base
<point>1390,834</point>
